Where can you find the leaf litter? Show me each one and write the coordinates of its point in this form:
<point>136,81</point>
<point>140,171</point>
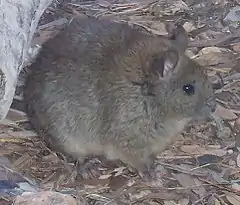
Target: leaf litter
<point>201,167</point>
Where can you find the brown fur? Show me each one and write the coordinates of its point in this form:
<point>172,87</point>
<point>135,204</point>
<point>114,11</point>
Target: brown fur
<point>103,88</point>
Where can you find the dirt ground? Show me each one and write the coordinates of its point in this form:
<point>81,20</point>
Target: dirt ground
<point>202,167</point>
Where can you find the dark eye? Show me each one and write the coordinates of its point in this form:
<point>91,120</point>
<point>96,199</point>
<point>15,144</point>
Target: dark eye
<point>189,89</point>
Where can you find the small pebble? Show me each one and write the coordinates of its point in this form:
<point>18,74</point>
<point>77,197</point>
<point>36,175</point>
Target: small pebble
<point>230,151</point>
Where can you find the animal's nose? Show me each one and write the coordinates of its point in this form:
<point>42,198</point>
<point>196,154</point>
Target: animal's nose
<point>212,105</point>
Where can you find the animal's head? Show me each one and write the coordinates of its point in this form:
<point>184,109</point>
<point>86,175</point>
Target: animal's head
<point>179,86</point>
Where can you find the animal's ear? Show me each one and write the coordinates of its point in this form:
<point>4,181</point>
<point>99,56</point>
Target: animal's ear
<point>178,35</point>
<point>166,64</point>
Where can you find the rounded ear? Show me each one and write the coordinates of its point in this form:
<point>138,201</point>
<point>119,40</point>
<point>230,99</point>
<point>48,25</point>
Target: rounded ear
<point>170,63</point>
<point>178,35</point>
<point>166,64</point>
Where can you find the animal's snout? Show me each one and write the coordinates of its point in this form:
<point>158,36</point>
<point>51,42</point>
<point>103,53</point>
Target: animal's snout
<point>212,105</point>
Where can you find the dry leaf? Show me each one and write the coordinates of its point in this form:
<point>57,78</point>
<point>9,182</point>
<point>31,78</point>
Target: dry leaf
<point>189,169</point>
<point>16,116</point>
<point>4,161</point>
<point>170,203</point>
<point>185,180</point>
<point>236,47</point>
<point>171,8</point>
<point>139,195</point>
<point>4,151</point>
<point>197,150</point>
<point>155,27</point>
<point>189,26</point>
<point>201,191</point>
<point>119,170</point>
<point>238,160</point>
<point>7,122</point>
<point>216,177</point>
<point>236,187</point>
<point>233,198</point>
<point>184,201</point>
<point>22,160</point>
<point>191,182</point>
<point>51,157</point>
<point>158,28</point>
<point>22,134</point>
<point>237,125</point>
<point>206,159</point>
<point>105,176</point>
<point>104,3</point>
<point>221,59</point>
<point>190,149</point>
<point>216,202</point>
<point>232,163</point>
<point>237,137</point>
<point>4,137</point>
<point>237,131</point>
<point>233,15</point>
<point>175,6</point>
<point>57,24</point>
<point>95,182</point>
<point>224,113</point>
<point>213,49</point>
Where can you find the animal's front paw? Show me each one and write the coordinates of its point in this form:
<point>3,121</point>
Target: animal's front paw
<point>90,168</point>
<point>152,173</point>
<point>147,170</point>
